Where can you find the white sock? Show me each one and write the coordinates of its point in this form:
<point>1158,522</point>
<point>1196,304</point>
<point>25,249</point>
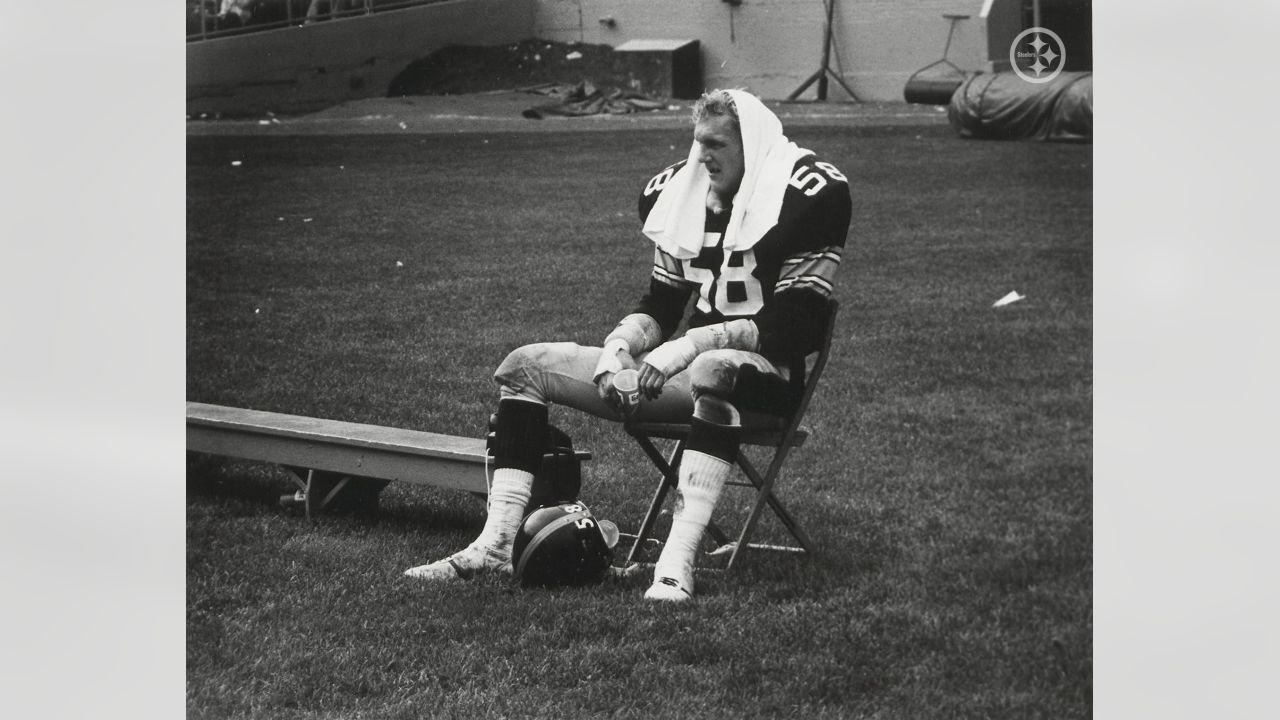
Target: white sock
<point>507,499</point>
<point>702,477</point>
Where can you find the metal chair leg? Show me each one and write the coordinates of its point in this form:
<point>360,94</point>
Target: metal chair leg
<point>670,469</point>
<point>764,495</point>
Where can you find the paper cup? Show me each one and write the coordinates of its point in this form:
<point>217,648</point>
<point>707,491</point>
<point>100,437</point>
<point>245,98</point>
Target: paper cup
<point>627,383</point>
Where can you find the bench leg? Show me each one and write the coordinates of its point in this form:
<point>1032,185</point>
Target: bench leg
<point>321,490</point>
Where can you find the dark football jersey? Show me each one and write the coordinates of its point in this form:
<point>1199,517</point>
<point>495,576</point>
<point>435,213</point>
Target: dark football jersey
<point>782,283</point>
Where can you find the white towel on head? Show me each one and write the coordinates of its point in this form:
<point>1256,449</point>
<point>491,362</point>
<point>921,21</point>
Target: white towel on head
<point>675,223</point>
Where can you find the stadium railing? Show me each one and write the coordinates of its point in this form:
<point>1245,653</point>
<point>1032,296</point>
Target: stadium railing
<point>202,17</point>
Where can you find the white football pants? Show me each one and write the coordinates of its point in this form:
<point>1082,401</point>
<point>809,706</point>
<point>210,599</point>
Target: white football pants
<point>560,373</point>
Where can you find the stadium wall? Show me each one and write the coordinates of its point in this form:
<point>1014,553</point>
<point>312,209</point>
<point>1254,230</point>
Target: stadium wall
<point>309,67</point>
<point>768,46</point>
<point>772,46</point>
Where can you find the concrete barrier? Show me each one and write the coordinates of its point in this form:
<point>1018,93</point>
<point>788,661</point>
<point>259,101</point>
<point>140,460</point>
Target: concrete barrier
<point>308,67</point>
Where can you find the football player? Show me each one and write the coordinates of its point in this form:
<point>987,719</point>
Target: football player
<point>753,227</point>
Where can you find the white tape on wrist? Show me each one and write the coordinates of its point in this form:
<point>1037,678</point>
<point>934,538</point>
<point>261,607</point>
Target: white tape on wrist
<point>672,357</point>
<point>633,335</point>
<point>676,355</point>
<point>609,361</point>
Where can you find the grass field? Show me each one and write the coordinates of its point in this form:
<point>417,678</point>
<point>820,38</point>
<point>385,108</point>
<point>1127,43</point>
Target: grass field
<point>948,478</point>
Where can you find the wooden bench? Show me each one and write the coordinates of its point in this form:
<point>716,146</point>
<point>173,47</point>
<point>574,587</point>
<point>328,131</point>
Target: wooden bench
<point>328,457</point>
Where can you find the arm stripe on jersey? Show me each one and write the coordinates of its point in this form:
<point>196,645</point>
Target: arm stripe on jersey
<point>832,254</point>
<point>824,266</point>
<point>662,275</point>
<point>816,282</point>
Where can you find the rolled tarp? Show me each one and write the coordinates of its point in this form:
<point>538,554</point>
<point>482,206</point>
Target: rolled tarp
<point>1004,106</point>
<point>930,91</point>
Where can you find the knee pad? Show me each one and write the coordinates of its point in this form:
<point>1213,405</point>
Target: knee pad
<point>513,370</point>
<point>712,373</point>
<point>716,410</point>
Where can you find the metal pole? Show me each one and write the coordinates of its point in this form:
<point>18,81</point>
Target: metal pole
<point>820,76</point>
<point>826,51</point>
<point>1035,13</point>
<point>951,31</point>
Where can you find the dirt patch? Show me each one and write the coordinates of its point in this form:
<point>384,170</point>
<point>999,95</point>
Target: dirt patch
<point>461,69</point>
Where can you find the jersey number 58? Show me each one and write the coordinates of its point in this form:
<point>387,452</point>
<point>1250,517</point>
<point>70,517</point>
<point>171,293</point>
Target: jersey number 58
<point>811,181</point>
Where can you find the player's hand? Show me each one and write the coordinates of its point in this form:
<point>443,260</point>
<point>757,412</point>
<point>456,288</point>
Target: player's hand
<point>651,381</point>
<point>604,383</point>
<point>604,386</point>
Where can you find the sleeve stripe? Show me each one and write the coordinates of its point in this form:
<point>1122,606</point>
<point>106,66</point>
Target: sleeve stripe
<point>814,282</point>
<point>831,254</point>
<point>667,270</point>
<point>662,275</point>
<point>823,267</point>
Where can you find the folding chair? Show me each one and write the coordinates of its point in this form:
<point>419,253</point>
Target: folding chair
<point>778,432</point>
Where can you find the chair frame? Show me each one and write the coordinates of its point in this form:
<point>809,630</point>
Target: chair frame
<point>782,440</point>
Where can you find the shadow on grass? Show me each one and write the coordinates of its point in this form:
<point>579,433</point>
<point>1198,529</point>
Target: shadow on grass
<point>250,485</point>
<point>248,488</point>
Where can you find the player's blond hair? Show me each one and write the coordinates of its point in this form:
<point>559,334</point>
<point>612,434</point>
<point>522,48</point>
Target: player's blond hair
<point>717,103</point>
